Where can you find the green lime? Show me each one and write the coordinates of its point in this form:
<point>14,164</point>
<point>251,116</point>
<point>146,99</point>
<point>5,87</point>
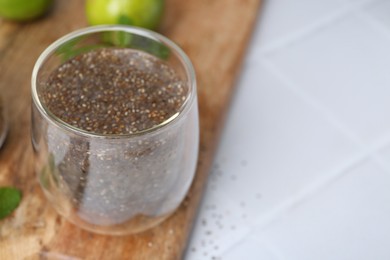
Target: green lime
<point>22,10</point>
<point>142,13</point>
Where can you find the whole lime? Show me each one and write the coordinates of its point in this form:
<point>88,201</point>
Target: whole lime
<point>142,13</point>
<point>22,10</point>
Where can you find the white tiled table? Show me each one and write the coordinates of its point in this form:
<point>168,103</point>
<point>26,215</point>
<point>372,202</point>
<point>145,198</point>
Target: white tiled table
<point>303,168</point>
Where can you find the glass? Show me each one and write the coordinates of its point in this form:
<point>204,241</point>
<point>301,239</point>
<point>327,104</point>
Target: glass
<point>115,183</point>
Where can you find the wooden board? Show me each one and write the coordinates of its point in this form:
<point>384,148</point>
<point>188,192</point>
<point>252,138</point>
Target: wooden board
<point>213,33</point>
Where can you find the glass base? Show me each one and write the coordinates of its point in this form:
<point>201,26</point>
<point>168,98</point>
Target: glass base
<point>136,224</point>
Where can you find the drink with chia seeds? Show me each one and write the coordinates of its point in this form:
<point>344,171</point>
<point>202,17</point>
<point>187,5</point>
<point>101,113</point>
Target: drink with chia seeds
<point>115,132</point>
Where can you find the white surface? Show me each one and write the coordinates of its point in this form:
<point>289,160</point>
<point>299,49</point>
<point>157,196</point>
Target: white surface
<point>303,168</point>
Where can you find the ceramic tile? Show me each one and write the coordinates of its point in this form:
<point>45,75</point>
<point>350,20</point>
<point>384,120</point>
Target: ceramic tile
<point>380,10</point>
<point>301,125</point>
<point>344,68</point>
<point>219,226</point>
<point>346,220</point>
<point>384,156</point>
<point>284,18</point>
<point>274,145</point>
<point>249,249</point>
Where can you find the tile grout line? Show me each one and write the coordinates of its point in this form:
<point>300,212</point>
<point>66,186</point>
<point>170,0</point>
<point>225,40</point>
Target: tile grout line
<point>315,27</point>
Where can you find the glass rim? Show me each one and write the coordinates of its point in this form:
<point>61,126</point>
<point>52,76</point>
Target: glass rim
<point>179,53</point>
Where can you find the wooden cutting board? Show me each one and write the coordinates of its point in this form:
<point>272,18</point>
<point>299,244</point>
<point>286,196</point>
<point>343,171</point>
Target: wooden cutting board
<point>214,34</point>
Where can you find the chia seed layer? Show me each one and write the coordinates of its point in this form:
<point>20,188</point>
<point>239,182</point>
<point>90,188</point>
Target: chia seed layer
<point>114,91</point>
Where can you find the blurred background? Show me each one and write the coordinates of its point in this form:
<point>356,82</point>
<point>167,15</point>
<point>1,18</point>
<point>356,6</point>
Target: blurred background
<point>303,169</point>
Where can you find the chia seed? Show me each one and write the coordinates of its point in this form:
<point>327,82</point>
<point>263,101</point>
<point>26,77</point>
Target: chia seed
<point>115,91</point>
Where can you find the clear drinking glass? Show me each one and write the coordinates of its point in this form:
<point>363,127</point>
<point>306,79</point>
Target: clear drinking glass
<point>115,183</point>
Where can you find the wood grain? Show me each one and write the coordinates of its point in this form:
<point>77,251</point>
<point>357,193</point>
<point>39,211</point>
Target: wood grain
<point>214,34</point>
